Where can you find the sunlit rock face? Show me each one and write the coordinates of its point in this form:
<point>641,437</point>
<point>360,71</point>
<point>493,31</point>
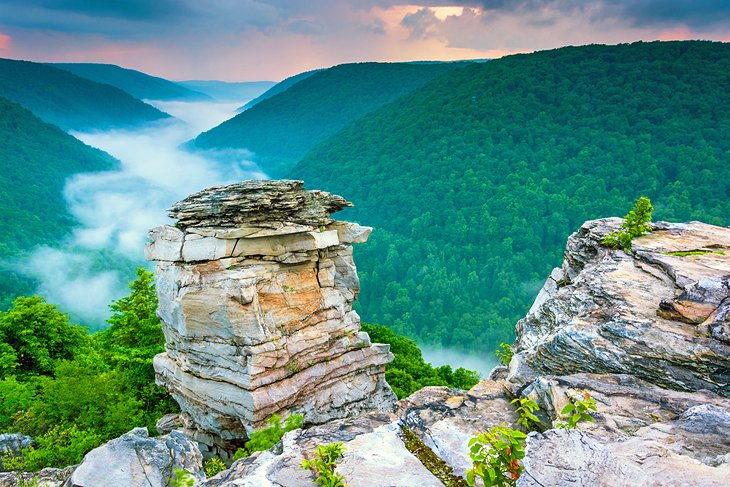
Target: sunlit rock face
<point>660,312</point>
<point>255,285</point>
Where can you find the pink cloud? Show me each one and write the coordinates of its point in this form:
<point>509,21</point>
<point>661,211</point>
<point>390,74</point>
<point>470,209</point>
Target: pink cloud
<point>4,42</point>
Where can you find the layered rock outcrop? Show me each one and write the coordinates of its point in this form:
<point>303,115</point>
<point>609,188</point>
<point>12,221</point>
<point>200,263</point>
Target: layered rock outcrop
<point>660,312</point>
<point>255,285</point>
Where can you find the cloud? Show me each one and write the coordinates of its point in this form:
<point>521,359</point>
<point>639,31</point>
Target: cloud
<point>125,9</point>
<point>4,42</point>
<point>271,39</point>
<point>422,22</point>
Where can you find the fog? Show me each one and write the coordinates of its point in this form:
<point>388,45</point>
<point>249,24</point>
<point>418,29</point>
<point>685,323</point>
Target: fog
<point>436,356</point>
<point>115,209</point>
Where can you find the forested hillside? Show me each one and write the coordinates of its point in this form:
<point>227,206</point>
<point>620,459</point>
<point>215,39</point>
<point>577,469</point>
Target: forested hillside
<point>69,101</point>
<point>138,84</point>
<point>475,181</point>
<point>281,129</point>
<point>35,160</point>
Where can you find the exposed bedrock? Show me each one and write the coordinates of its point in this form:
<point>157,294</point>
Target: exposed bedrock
<point>660,312</point>
<point>255,285</point>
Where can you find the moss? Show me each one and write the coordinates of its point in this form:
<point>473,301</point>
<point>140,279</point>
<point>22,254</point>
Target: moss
<point>685,253</point>
<point>430,460</point>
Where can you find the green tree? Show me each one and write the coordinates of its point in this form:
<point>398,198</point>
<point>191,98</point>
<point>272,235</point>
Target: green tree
<point>132,340</point>
<point>38,335</point>
<point>636,224</point>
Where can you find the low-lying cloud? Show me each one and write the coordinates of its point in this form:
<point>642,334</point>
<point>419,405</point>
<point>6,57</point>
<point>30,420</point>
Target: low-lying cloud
<point>438,356</point>
<point>115,209</point>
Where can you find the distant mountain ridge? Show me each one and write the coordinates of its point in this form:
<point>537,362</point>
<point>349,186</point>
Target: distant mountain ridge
<point>278,88</point>
<point>228,91</point>
<point>281,129</point>
<point>136,83</point>
<point>70,101</point>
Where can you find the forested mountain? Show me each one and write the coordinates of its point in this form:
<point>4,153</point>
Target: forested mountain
<point>475,180</point>
<point>35,160</point>
<point>138,84</point>
<point>281,129</point>
<point>278,88</point>
<point>226,91</point>
<point>69,101</point>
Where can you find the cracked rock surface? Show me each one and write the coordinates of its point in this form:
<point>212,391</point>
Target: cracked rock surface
<point>660,312</point>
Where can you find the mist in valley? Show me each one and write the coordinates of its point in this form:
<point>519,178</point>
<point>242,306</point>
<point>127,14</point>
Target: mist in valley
<point>437,356</point>
<point>115,209</point>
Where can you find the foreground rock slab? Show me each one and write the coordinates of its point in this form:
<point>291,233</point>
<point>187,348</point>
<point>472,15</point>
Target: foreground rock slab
<point>135,459</point>
<point>659,312</point>
<point>678,452</point>
<point>255,285</point>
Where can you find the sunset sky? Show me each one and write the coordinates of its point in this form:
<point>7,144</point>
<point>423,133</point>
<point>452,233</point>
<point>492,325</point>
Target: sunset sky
<point>246,40</point>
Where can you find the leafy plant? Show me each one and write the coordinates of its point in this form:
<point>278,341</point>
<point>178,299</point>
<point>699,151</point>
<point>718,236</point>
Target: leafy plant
<point>525,408</point>
<point>32,482</point>
<point>496,457</point>
<point>504,353</point>
<point>323,466</point>
<point>636,224</point>
<point>182,478</point>
<point>577,410</point>
<point>213,466</point>
<point>265,438</point>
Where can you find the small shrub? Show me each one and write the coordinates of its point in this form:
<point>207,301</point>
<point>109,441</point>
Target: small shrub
<point>323,466</point>
<point>525,408</point>
<point>182,479</point>
<point>265,438</point>
<point>577,410</point>
<point>504,353</point>
<point>496,457</point>
<point>213,466</point>
<point>32,482</point>
<point>635,224</point>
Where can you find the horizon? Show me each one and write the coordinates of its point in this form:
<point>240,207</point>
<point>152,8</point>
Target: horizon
<point>270,40</point>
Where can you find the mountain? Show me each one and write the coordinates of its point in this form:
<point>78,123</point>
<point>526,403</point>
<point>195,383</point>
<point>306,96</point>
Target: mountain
<point>474,181</point>
<point>226,91</point>
<point>69,101</point>
<point>281,129</point>
<point>138,84</point>
<point>278,88</point>
<point>36,159</point>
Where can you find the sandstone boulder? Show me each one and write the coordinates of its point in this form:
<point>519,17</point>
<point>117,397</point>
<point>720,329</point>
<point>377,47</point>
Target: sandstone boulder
<point>135,459</point>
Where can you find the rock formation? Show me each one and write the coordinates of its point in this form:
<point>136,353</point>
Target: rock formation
<point>645,333</point>
<point>255,285</point>
<point>661,312</point>
<point>653,323</point>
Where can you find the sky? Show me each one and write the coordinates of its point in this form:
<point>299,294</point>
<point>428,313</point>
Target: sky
<point>247,40</point>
